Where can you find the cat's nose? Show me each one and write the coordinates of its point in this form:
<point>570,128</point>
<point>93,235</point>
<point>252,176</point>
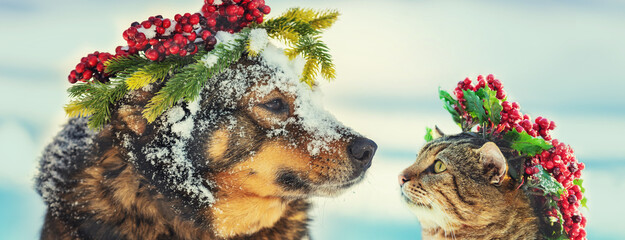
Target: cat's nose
<point>402,179</point>
<point>361,151</point>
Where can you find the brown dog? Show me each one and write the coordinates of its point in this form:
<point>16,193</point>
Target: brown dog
<point>239,163</point>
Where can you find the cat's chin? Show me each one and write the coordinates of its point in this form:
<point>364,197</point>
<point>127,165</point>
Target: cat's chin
<point>413,203</point>
<point>429,216</point>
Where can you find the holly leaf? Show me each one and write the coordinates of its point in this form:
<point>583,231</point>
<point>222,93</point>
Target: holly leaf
<point>547,183</point>
<point>475,106</point>
<point>491,103</point>
<point>428,134</point>
<point>448,103</point>
<point>579,182</point>
<point>524,143</point>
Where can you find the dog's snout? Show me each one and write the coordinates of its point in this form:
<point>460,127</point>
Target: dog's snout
<point>361,151</point>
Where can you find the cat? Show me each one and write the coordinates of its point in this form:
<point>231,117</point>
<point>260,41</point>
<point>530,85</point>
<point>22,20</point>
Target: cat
<point>460,187</point>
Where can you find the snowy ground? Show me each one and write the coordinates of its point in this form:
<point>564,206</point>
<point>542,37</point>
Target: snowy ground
<point>391,57</point>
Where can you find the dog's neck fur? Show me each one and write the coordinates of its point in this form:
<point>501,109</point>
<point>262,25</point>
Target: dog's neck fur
<point>238,214</point>
<point>133,210</point>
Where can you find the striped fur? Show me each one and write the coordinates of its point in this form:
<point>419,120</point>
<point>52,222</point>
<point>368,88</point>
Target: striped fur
<point>462,202</point>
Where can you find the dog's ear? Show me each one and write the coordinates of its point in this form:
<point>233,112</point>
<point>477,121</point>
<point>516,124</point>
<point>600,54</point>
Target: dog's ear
<point>494,162</point>
<point>437,132</point>
<point>130,114</point>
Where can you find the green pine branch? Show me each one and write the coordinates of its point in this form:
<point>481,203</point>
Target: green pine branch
<point>94,100</point>
<point>187,84</point>
<point>318,59</point>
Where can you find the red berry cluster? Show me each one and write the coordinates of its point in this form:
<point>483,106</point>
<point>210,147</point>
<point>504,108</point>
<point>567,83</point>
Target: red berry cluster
<point>466,85</point>
<point>90,67</point>
<point>559,161</point>
<point>233,15</point>
<point>160,37</point>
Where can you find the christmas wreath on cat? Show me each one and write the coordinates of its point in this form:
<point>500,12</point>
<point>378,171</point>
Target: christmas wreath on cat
<point>545,169</point>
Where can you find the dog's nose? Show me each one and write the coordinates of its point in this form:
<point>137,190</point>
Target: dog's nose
<point>361,151</point>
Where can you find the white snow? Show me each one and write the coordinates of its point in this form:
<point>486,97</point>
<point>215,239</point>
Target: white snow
<point>258,39</point>
<point>75,138</point>
<point>171,28</point>
<point>320,125</point>
<point>210,60</point>
<point>227,38</point>
<point>149,32</point>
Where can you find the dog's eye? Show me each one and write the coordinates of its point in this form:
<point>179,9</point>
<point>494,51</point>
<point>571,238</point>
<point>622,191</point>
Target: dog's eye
<point>276,106</point>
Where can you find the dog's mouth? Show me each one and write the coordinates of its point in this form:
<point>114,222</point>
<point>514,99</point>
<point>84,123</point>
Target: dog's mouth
<point>336,188</point>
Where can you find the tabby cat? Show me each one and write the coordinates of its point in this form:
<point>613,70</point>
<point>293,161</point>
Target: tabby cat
<point>460,187</point>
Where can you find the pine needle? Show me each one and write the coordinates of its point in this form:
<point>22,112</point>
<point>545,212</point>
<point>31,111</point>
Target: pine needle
<point>188,84</point>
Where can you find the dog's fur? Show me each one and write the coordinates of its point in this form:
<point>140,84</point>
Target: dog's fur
<point>134,180</point>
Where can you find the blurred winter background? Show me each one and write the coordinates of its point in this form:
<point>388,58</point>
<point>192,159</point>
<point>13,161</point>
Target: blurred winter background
<point>560,59</point>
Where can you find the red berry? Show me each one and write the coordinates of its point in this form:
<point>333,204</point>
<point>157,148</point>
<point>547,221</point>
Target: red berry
<point>160,30</point>
<point>253,5</point>
<point>80,68</point>
<point>211,9</point>
<point>256,13</point>
<point>192,36</point>
<point>187,28</point>
<point>152,54</point>
<point>179,39</point>
<point>100,67</point>
<point>146,24</point>
<point>266,9</point>
<point>549,165</point>
<point>211,22</point>
<point>249,17</point>
<point>140,38</point>
<point>206,34</point>
<point>177,17</point>
<point>232,19</point>
<point>87,74</point>
<point>166,23</point>
<point>232,10</point>
<point>174,49</point>
<point>194,19</point>
<point>92,61</point>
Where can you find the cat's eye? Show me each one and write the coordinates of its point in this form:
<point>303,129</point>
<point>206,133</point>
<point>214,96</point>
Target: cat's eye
<point>439,166</point>
<point>276,105</point>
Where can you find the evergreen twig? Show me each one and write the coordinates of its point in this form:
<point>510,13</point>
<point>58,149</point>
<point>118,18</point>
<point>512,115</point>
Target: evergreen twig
<point>188,83</point>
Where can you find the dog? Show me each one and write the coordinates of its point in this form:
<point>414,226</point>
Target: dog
<point>240,162</point>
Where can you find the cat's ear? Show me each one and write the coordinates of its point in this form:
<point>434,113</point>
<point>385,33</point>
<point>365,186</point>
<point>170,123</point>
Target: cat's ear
<point>494,162</point>
<point>437,133</point>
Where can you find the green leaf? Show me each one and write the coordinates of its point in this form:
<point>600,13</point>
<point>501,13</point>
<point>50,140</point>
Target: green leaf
<point>579,182</point>
<point>475,106</point>
<point>548,184</point>
<point>491,103</point>
<point>428,134</point>
<point>448,103</point>
<point>524,143</point>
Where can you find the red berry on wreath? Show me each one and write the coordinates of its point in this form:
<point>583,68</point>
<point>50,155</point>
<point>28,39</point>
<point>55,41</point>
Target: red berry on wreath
<point>152,54</point>
<point>266,9</point>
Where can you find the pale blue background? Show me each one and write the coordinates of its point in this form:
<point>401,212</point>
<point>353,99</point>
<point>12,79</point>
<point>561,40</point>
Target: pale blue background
<point>563,60</point>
